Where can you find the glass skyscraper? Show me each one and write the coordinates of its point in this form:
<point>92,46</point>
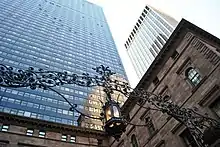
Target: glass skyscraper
<point>150,33</point>
<point>60,35</point>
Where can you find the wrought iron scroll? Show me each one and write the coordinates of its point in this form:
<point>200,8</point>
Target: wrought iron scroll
<point>194,121</point>
<point>48,79</point>
<point>40,78</point>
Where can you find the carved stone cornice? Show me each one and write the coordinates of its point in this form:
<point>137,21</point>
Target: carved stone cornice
<point>206,51</point>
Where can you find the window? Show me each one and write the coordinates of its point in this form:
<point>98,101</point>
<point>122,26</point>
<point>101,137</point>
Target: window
<point>42,134</point>
<point>64,137</point>
<point>20,112</point>
<point>156,81</point>
<point>161,144</point>
<point>29,132</point>
<point>216,107</point>
<point>193,76</point>
<point>174,55</point>
<point>134,141</point>
<point>188,139</point>
<point>72,138</point>
<point>5,128</point>
<point>27,114</point>
<point>33,115</point>
<point>150,126</point>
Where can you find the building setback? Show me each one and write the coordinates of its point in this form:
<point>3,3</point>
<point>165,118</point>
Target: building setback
<point>187,72</point>
<point>59,35</point>
<point>150,33</point>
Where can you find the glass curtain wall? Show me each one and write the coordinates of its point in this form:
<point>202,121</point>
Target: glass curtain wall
<point>60,35</point>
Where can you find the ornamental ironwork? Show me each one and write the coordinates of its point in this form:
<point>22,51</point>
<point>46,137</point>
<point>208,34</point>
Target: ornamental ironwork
<point>32,78</point>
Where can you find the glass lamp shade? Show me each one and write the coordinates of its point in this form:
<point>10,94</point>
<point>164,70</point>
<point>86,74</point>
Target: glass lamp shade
<point>114,123</point>
<point>111,110</point>
<point>108,113</point>
<point>115,111</point>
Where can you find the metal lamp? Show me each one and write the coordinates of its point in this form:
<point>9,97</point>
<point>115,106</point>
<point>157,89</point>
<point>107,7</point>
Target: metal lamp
<point>113,120</point>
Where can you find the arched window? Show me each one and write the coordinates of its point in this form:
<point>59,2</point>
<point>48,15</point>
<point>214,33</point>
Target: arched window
<point>150,126</point>
<point>134,141</point>
<point>193,76</point>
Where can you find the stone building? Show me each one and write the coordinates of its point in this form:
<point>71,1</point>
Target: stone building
<point>186,71</point>
<point>19,131</point>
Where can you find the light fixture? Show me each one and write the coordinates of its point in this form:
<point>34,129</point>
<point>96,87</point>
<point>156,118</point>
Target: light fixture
<point>114,123</point>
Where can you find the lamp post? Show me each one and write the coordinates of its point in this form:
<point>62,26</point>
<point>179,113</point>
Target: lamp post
<point>200,126</point>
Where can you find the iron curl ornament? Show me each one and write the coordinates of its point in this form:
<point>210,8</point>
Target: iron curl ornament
<point>200,126</point>
<point>43,79</point>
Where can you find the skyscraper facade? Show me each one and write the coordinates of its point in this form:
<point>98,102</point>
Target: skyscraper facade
<point>60,35</point>
<point>150,33</point>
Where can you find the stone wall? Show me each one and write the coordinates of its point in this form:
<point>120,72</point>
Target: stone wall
<point>194,51</point>
<point>16,135</point>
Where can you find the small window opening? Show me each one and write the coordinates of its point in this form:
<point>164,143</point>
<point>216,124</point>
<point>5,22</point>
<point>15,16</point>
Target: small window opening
<point>193,76</point>
<point>29,132</point>
<point>72,138</point>
<point>5,128</point>
<point>42,134</point>
<point>156,81</point>
<point>64,137</point>
<point>134,141</point>
<point>174,55</point>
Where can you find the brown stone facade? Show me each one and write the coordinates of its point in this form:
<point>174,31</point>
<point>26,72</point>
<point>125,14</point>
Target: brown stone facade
<point>189,47</point>
<point>16,134</point>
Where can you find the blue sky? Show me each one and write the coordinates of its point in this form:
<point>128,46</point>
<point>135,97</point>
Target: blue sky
<point>123,14</point>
